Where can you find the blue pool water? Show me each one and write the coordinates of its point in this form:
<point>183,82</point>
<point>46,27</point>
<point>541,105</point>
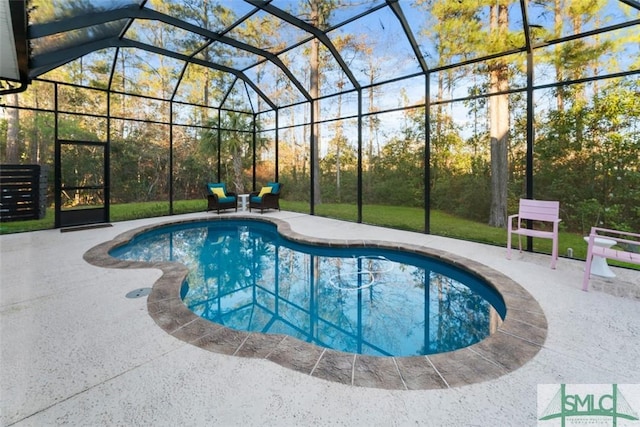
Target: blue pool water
<point>375,301</point>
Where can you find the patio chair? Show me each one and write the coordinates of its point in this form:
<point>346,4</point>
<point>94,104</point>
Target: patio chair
<point>267,198</point>
<point>219,198</point>
<point>601,240</point>
<point>539,211</point>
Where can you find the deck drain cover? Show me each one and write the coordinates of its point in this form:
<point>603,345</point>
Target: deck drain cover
<point>139,293</point>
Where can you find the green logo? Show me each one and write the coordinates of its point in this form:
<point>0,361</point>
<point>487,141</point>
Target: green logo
<point>585,404</point>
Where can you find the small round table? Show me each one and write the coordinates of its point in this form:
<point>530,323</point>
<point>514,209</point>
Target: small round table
<point>599,265</point>
<point>244,198</point>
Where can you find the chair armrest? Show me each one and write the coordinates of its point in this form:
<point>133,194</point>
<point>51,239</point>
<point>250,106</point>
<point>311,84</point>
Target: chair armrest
<point>618,240</point>
<point>217,199</point>
<point>594,230</point>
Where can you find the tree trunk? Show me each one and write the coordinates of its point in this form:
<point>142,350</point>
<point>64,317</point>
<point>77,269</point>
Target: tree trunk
<point>13,128</point>
<point>238,182</point>
<point>34,147</point>
<point>499,126</point>
<point>498,107</point>
<point>372,125</point>
<point>338,139</point>
<point>314,91</point>
<point>557,32</point>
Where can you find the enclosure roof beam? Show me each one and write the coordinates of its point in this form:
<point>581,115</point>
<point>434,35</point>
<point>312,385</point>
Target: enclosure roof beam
<point>319,34</point>
<point>397,10</point>
<point>239,74</point>
<point>87,20</point>
<point>231,42</point>
<point>632,3</point>
<point>133,12</point>
<point>527,27</point>
<point>47,62</point>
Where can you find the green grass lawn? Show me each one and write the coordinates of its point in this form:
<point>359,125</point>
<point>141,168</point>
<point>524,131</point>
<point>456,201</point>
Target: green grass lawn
<point>119,212</point>
<point>442,224</point>
<point>399,217</point>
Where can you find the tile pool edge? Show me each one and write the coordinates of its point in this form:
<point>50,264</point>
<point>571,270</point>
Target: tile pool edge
<point>517,340</point>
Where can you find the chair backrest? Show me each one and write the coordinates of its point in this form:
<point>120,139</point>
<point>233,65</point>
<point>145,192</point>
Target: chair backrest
<point>275,187</point>
<point>539,210</point>
<point>212,185</point>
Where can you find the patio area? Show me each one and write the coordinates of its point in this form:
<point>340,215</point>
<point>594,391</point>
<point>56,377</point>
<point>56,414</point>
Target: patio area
<point>75,350</point>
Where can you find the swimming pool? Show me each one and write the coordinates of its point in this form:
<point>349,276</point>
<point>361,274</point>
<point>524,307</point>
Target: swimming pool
<point>519,337</point>
<point>365,300</point>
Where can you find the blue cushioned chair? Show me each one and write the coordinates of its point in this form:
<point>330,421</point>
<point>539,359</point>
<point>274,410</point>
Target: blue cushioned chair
<point>270,200</point>
<point>223,199</point>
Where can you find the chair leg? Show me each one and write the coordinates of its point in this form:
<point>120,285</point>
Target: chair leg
<point>554,254</point>
<point>509,244</point>
<point>520,243</point>
<point>587,272</point>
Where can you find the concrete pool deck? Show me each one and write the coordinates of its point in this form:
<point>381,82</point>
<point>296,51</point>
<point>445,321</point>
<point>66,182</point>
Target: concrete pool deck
<point>74,350</point>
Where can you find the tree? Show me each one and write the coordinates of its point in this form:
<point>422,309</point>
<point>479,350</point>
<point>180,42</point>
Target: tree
<point>13,128</point>
<point>499,118</point>
<point>319,13</point>
<point>587,157</point>
<point>210,15</point>
<point>236,139</point>
<point>458,34</point>
<point>573,60</point>
<point>314,91</point>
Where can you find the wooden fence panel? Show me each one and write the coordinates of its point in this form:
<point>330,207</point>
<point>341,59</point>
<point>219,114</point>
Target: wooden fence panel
<point>20,192</point>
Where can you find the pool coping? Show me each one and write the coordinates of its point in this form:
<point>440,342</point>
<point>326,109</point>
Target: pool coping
<point>517,340</point>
